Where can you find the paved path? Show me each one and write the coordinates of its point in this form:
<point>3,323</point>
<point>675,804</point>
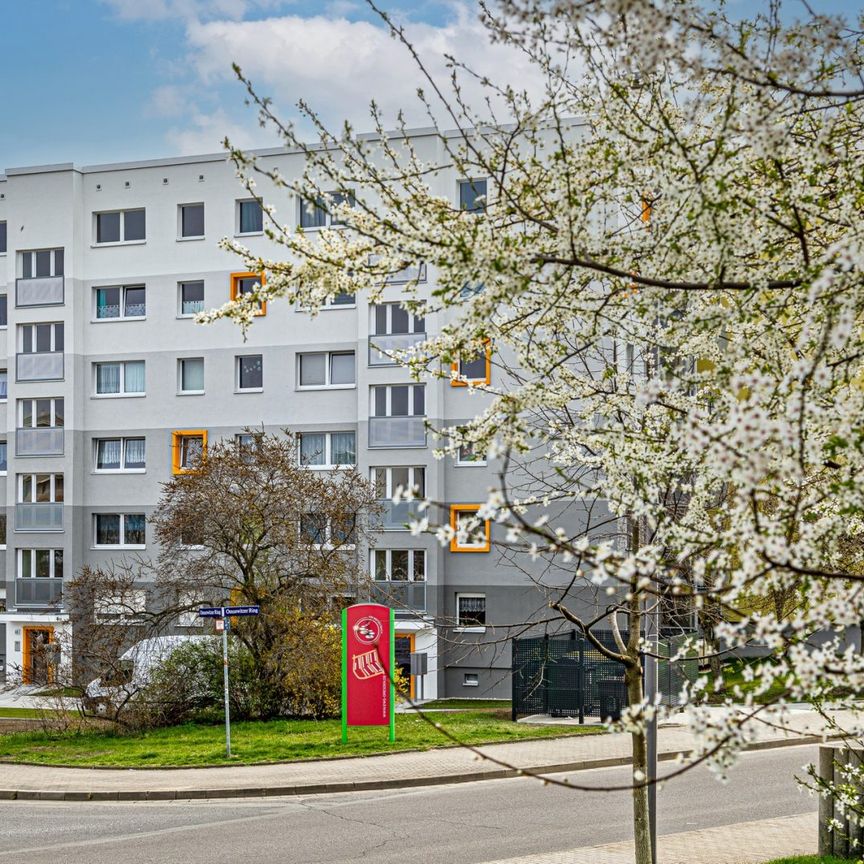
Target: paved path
<point>451,765</point>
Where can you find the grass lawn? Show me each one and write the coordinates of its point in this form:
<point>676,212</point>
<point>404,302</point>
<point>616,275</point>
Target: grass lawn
<point>733,673</point>
<point>275,741</point>
<point>21,712</point>
<point>502,704</point>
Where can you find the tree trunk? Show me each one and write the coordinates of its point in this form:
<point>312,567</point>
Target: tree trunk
<point>641,827</point>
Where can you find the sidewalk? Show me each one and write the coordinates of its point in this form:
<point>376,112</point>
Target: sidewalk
<point>397,770</point>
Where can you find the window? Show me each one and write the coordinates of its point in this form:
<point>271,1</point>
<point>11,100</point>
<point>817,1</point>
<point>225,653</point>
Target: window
<point>41,338</point>
<point>4,310</point>
<point>244,441</point>
<point>190,375</point>
<point>188,448</point>
<point>471,535</point>
<point>119,454</point>
<point>250,372</point>
<point>2,238</point>
<point>40,263</point>
<point>191,297</point>
<point>475,370</point>
<point>388,480</point>
<point>471,611</point>
<point>4,385</point>
<point>119,529</point>
<point>250,217</point>
<point>124,607</point>
<point>119,379</point>
<point>399,565</point>
<point>191,220</point>
<point>326,369</point>
<point>2,531</point>
<point>328,449</point>
<point>40,488</point>
<point>472,195</point>
<point>120,226</point>
<point>469,455</point>
<point>120,301</point>
<point>318,213</point>
<point>399,400</point>
<point>3,460</point>
<point>321,530</point>
<point>40,413</point>
<point>40,563</point>
<point>470,679</point>
<point>248,283</point>
<point>390,319</point>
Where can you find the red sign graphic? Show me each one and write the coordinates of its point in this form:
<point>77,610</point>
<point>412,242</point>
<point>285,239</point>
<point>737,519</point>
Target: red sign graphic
<point>367,637</point>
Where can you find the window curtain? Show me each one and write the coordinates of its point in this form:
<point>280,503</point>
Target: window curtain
<point>312,449</point>
<point>4,384</point>
<point>135,377</point>
<point>135,453</point>
<point>344,451</point>
<point>108,378</point>
<point>108,453</point>
<point>2,455</point>
<point>134,529</point>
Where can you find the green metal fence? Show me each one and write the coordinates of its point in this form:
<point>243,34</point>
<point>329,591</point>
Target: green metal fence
<point>566,676</point>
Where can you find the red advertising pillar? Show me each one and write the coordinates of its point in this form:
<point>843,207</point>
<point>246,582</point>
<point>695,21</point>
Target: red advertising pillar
<point>368,664</point>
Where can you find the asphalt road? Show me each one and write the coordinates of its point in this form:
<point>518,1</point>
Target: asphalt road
<point>470,823</point>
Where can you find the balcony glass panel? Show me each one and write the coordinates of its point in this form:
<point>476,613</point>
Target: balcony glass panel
<point>397,432</point>
<point>38,592</point>
<point>395,517</point>
<point>46,366</point>
<point>39,517</point>
<point>46,441</point>
<point>41,291</point>
<point>382,347</point>
<point>401,596</point>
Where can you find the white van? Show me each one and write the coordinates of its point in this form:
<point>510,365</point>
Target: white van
<point>133,670</point>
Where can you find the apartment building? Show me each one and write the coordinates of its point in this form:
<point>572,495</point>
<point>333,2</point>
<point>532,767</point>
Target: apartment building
<point>110,386</point>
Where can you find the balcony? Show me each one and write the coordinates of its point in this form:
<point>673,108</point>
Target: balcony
<point>38,593</point>
<point>381,348</point>
<point>395,517</point>
<point>43,366</point>
<point>39,517</point>
<point>401,596</point>
<point>41,291</point>
<point>41,441</point>
<point>397,431</point>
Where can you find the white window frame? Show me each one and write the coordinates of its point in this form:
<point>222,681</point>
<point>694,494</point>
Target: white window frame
<point>237,231</point>
<point>33,412</point>
<point>330,305</point>
<point>181,237</point>
<point>412,321</point>
<point>122,544</point>
<point>328,536</point>
<point>469,628</point>
<point>180,284</point>
<point>5,443</point>
<point>189,618</point>
<point>468,181</point>
<point>122,316</point>
<point>328,369</point>
<point>180,390</point>
<point>329,464</point>
<point>6,373</point>
<point>5,248</point>
<point>28,252</point>
<point>388,552</point>
<point>123,439</point>
<point>34,324</point>
<point>470,679</point>
<point>4,521</point>
<point>120,608</point>
<point>237,388</point>
<point>328,216</point>
<point>389,402</point>
<point>5,295</point>
<point>122,241</point>
<point>122,394</point>
<point>390,487</point>
<point>461,462</point>
<point>19,487</point>
<point>52,565</point>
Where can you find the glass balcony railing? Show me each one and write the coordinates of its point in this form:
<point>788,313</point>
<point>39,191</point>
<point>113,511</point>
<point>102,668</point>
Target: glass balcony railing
<point>46,516</point>
<point>401,596</point>
<point>397,431</point>
<point>44,366</point>
<point>38,593</point>
<point>40,291</point>
<point>396,517</point>
<point>40,441</point>
<point>381,348</point>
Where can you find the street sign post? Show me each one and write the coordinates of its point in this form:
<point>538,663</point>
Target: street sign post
<point>223,614</point>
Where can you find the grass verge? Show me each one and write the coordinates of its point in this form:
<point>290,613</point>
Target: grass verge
<point>26,713</point>
<point>257,742</point>
<point>469,704</point>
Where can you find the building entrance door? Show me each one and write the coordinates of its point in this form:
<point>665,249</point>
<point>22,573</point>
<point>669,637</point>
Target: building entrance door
<point>38,655</point>
<point>404,648</point>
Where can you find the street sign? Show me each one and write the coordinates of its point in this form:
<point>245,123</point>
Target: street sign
<point>211,612</point>
<point>242,610</point>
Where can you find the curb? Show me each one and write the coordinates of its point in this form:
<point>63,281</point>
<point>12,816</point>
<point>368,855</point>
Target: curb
<point>366,785</point>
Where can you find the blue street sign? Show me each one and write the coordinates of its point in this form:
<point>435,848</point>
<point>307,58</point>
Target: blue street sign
<point>242,610</point>
<point>211,612</point>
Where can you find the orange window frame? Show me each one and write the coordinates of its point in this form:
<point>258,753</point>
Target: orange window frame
<point>176,444</point>
<point>455,510</point>
<point>25,649</point>
<point>235,281</point>
<point>487,379</point>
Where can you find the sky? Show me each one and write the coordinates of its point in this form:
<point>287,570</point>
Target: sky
<point>92,81</point>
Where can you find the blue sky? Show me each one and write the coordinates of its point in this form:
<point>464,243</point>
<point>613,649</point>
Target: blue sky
<point>91,81</point>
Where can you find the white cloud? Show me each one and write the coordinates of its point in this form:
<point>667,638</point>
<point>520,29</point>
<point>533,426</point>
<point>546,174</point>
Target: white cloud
<point>204,133</point>
<point>167,101</point>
